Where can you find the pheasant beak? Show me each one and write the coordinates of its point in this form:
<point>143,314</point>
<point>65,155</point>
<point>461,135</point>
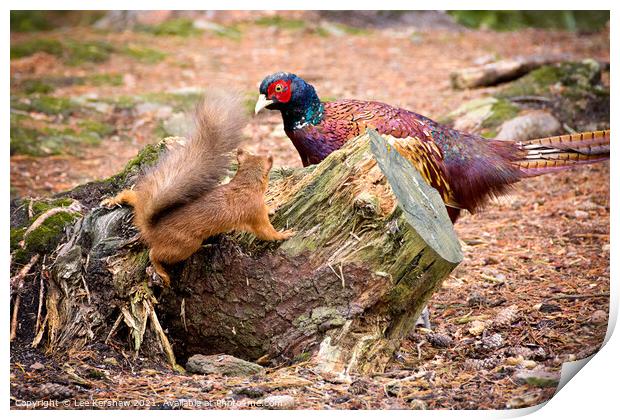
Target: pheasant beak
<point>261,103</point>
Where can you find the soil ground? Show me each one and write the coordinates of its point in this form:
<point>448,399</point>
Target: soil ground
<point>542,251</point>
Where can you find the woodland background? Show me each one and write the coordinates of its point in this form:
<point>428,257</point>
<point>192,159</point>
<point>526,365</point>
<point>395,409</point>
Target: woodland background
<point>91,89</point>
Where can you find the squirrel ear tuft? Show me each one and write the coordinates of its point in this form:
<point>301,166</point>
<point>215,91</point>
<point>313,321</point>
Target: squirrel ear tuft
<point>269,162</point>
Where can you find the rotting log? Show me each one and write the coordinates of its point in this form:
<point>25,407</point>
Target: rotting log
<point>373,243</point>
<point>491,74</point>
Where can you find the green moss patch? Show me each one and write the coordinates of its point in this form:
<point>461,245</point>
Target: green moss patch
<point>41,206</point>
<point>123,102</point>
<point>146,158</point>
<point>572,78</point>
<point>44,238</point>
<point>50,141</point>
<point>104,79</point>
<point>354,30</point>
<point>537,82</point>
<point>46,20</point>
<point>176,27</point>
<point>477,109</point>
<point>501,111</point>
<point>302,357</point>
<point>29,138</point>
<point>143,54</point>
<point>49,84</point>
<point>16,237</point>
<point>24,141</point>
<point>280,22</point>
<point>24,49</point>
<point>486,113</point>
<point>51,105</point>
<point>36,86</point>
<point>29,21</point>
<point>93,51</point>
<point>508,20</point>
<point>97,128</point>
<point>29,141</point>
<point>76,53</point>
<point>71,52</point>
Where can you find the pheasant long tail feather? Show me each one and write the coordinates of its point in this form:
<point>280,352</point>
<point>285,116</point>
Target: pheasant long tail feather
<point>550,154</point>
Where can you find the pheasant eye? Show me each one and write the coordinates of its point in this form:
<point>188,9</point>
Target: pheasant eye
<point>279,88</point>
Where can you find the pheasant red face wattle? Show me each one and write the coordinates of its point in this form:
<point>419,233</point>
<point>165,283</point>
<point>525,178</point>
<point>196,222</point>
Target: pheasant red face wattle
<point>279,91</point>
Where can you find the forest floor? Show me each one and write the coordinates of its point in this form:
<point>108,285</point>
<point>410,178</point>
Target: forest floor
<point>540,255</point>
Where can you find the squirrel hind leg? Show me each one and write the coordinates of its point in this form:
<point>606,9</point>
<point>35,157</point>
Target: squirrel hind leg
<point>159,269</point>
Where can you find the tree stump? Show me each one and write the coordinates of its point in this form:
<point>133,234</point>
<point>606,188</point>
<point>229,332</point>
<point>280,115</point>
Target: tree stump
<point>373,243</point>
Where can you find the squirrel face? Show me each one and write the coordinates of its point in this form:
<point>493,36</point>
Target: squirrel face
<point>254,168</point>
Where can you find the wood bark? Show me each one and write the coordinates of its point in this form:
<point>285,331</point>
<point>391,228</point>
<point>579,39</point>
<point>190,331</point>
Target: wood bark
<point>373,243</point>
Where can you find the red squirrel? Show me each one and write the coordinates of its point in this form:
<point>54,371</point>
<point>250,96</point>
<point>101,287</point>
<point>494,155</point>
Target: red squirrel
<point>179,202</point>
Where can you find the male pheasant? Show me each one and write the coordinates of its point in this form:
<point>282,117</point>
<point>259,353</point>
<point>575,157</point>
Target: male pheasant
<point>465,168</point>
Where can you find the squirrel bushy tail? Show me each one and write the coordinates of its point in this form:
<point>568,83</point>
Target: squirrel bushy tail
<point>188,171</point>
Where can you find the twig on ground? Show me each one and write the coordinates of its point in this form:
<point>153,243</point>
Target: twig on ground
<point>41,291</point>
<point>584,296</point>
<point>17,283</point>
<point>39,335</point>
<point>114,327</point>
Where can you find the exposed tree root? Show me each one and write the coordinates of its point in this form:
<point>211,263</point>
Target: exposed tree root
<point>17,283</point>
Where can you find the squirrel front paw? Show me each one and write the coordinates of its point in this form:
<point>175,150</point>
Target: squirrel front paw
<point>109,203</point>
<point>285,234</point>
